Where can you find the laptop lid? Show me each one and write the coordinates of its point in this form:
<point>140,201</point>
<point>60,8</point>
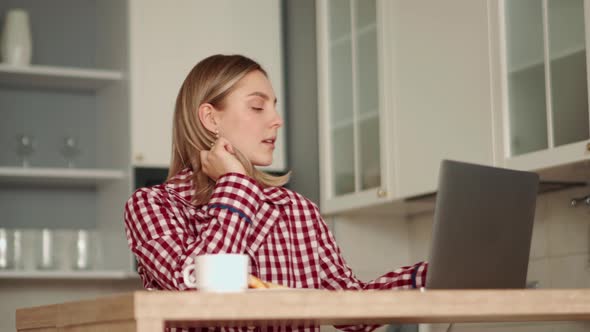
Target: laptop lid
<point>483,225</point>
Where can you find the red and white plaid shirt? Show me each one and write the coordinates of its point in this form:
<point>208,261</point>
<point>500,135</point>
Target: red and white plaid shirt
<point>281,231</point>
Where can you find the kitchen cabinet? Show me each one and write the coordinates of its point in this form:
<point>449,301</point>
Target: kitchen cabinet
<point>167,41</point>
<point>540,63</point>
<point>76,86</point>
<point>351,94</point>
<point>403,85</point>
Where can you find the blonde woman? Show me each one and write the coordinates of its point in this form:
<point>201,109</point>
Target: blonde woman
<point>216,201</point>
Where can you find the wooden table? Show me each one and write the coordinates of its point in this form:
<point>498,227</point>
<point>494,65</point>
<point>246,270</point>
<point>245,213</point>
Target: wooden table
<point>149,311</point>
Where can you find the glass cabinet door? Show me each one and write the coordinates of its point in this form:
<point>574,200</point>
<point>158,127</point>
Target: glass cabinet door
<point>567,54</point>
<point>341,86</point>
<point>546,73</point>
<point>354,96</point>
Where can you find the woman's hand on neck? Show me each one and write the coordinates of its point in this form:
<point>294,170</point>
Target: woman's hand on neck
<point>220,160</point>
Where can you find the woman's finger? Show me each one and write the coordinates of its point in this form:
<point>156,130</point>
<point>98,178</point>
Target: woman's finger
<point>254,282</point>
<point>222,143</point>
<point>230,149</point>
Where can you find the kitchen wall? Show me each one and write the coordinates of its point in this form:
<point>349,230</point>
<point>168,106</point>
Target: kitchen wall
<point>373,246</point>
<point>301,96</point>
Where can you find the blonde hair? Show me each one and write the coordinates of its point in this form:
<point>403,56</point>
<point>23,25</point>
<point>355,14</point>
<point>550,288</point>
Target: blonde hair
<point>210,81</point>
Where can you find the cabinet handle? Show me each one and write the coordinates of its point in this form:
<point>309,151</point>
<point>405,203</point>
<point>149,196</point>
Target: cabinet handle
<point>139,157</point>
<point>381,193</point>
<point>587,146</point>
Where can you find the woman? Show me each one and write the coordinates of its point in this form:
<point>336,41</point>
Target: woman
<point>215,200</point>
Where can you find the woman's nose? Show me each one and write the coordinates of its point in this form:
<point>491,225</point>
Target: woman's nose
<point>277,120</point>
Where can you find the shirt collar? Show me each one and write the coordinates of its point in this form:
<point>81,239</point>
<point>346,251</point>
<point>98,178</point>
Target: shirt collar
<point>181,186</point>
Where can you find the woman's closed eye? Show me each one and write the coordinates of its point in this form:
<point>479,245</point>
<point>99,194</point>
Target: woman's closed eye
<point>257,103</point>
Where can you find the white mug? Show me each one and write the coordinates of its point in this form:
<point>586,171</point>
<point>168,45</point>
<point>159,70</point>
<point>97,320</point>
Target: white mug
<point>218,273</point>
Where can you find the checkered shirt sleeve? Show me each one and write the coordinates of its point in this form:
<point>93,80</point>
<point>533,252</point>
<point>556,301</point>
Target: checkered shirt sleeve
<point>164,244</point>
<point>336,274</point>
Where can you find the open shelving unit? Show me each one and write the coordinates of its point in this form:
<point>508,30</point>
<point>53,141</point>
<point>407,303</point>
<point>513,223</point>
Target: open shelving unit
<point>77,85</point>
<point>35,76</point>
<point>58,176</point>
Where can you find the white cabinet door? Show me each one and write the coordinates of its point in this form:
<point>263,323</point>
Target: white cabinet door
<point>434,99</point>
<point>352,104</point>
<point>168,39</point>
<point>541,65</point>
<point>442,89</point>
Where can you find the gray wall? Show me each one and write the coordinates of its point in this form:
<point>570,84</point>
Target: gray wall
<point>301,96</point>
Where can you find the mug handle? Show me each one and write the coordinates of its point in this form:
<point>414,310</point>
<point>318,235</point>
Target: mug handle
<point>186,272</point>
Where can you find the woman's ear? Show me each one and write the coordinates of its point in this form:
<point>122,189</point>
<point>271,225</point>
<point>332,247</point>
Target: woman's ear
<point>208,117</point>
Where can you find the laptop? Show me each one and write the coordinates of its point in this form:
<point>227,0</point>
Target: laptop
<point>483,224</point>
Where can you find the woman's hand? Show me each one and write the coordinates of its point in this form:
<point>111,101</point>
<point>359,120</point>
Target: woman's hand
<point>256,283</point>
<point>220,160</point>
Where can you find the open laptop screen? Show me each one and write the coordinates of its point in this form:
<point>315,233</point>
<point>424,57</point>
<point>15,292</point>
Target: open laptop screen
<point>482,227</point>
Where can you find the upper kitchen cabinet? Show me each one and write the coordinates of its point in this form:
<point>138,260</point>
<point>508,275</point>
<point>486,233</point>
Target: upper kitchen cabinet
<point>403,85</point>
<point>353,172</point>
<point>166,41</point>
<point>542,82</point>
<point>442,100</point>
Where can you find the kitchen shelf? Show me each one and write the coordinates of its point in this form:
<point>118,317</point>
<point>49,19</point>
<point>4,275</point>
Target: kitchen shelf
<point>540,62</point>
<point>360,118</point>
<point>58,176</point>
<point>57,77</point>
<point>73,275</point>
<point>359,32</point>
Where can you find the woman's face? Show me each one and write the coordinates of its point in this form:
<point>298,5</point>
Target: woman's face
<point>250,120</point>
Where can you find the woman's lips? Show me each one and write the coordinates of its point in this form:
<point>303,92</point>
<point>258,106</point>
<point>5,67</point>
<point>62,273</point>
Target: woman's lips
<point>270,142</point>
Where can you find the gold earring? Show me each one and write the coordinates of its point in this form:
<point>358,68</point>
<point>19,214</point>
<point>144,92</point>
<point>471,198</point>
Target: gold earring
<point>216,137</point>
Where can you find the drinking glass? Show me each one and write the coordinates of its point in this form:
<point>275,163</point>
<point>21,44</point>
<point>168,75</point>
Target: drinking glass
<point>46,253</point>
<point>18,262</point>
<point>70,150</point>
<point>4,249</point>
<point>24,148</point>
<point>10,249</point>
<point>84,249</point>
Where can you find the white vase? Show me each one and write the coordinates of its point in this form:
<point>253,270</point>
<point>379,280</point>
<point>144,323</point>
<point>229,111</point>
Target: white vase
<point>16,38</point>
